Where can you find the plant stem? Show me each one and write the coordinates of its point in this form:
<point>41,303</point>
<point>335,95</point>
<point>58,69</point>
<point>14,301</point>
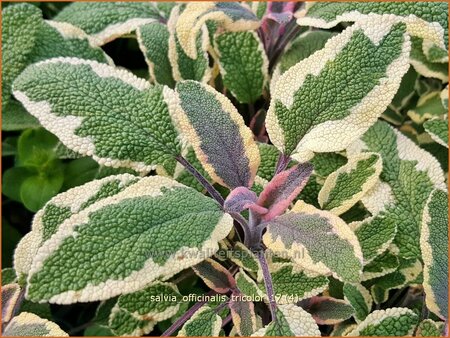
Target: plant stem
<point>268,284</point>
<point>226,320</point>
<point>203,181</point>
<point>188,314</point>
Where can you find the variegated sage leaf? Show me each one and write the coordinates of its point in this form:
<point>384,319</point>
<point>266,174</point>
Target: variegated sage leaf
<point>183,66</point>
<point>28,324</point>
<point>438,130</point>
<point>429,106</point>
<point>232,16</point>
<point>10,296</point>
<point>329,311</point>
<point>244,257</point>
<point>222,142</point>
<point>389,322</point>
<point>347,185</point>
<point>204,322</point>
<point>360,299</point>
<point>243,64</point>
<point>430,328</point>
<point>382,265</point>
<point>130,254</point>
<point>47,221</point>
<point>247,286</point>
<point>423,65</point>
<point>291,320</point>
<point>124,323</point>
<point>243,315</point>
<point>434,247</point>
<point>425,20</point>
<point>101,111</point>
<point>409,175</point>
<point>292,284</point>
<point>317,240</point>
<point>215,276</point>
<point>106,21</point>
<point>361,69</point>
<point>8,276</point>
<point>153,41</point>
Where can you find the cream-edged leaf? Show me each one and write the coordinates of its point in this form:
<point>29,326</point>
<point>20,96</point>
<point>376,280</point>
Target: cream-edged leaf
<point>329,311</point>
<point>243,64</point>
<point>317,240</point>
<point>222,142</point>
<point>204,322</point>
<point>347,185</point>
<point>360,70</point>
<point>118,246</point>
<point>215,276</point>
<point>232,16</point>
<point>101,111</point>
<point>434,247</point>
<point>28,324</point>
<point>430,328</point>
<point>243,315</point>
<point>359,298</point>
<point>438,130</point>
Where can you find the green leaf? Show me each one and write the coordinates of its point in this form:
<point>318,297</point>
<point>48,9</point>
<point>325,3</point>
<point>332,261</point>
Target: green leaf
<point>291,321</point>
<point>426,20</point>
<point>292,284</point>
<point>153,41</point>
<point>328,310</point>
<point>204,322</point>
<point>107,113</point>
<point>15,117</point>
<point>123,323</point>
<point>347,185</point>
<point>434,247</point>
<point>28,324</point>
<point>438,130</point>
<point>423,65</point>
<point>244,257</point>
<point>35,147</point>
<point>60,208</point>
<point>360,299</point>
<point>12,181</point>
<point>243,64</point>
<point>231,157</point>
<point>8,276</point>
<point>409,175</point>
<point>215,276</point>
<point>389,322</point>
<point>429,106</point>
<point>383,264</point>
<point>105,21</point>
<point>360,69</point>
<point>317,240</point>
<point>134,255</point>
<point>10,296</point>
<point>430,328</point>
<point>183,66</point>
<point>326,163</point>
<point>248,286</point>
<point>230,16</point>
<point>243,315</point>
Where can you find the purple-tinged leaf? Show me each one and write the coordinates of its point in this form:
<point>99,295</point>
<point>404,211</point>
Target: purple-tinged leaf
<point>10,296</point>
<point>241,199</point>
<point>215,276</point>
<point>328,310</point>
<point>283,189</point>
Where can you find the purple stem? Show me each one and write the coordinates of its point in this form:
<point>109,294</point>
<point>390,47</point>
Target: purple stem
<point>188,314</point>
<point>203,181</point>
<point>226,320</point>
<point>268,284</point>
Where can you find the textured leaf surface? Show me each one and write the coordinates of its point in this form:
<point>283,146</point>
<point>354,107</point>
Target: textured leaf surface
<point>231,16</point>
<point>101,111</point>
<point>185,67</point>
<point>10,295</point>
<point>425,20</point>
<point>329,311</point>
<point>409,175</point>
<point>346,186</point>
<point>434,247</point>
<point>123,323</point>
<point>430,328</point>
<point>243,316</point>
<point>317,240</point>
<point>389,322</point>
<point>429,106</point>
<point>360,299</point>
<point>215,276</point>
<point>204,322</point>
<point>244,257</point>
<point>423,65</point>
<point>28,324</point>
<point>243,64</point>
<point>222,142</point>
<point>153,41</point>
<point>291,321</point>
<point>105,21</point>
<point>438,130</point>
<point>360,69</point>
<point>133,221</point>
